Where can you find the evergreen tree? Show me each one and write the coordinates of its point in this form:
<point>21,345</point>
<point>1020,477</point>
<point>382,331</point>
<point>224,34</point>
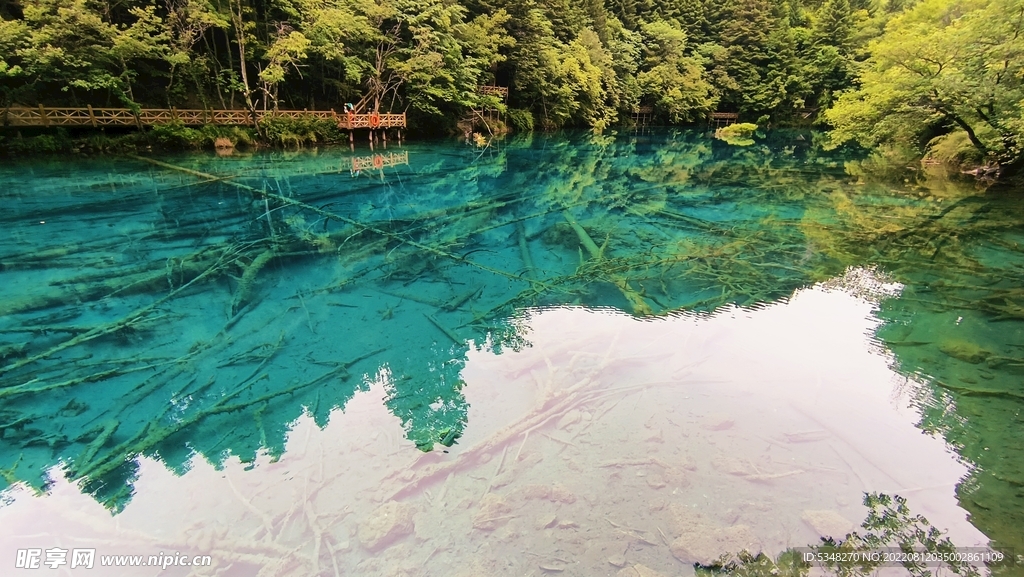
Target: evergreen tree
<point>676,83</point>
<point>598,18</point>
<point>834,24</point>
<point>693,16</point>
<point>747,37</point>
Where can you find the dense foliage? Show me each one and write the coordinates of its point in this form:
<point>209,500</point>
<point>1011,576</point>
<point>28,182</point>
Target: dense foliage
<point>587,63</point>
<point>898,73</point>
<point>946,75</point>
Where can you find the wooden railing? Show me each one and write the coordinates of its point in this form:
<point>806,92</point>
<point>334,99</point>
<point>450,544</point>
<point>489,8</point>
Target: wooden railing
<point>501,91</point>
<point>379,161</point>
<point>96,117</point>
<point>724,118</point>
<point>352,121</point>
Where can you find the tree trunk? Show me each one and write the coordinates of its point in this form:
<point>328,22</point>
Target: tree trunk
<point>1009,155</point>
<point>170,84</point>
<point>968,129</point>
<point>238,24</point>
<point>231,62</point>
<point>211,51</point>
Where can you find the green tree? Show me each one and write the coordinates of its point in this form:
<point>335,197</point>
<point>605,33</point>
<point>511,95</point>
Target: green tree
<point>13,37</point>
<point>676,83</point>
<point>569,63</point>
<point>288,50</point>
<point>942,66</point>
<point>834,25</point>
<point>68,45</point>
<point>697,17</point>
<point>760,58</point>
<point>187,22</point>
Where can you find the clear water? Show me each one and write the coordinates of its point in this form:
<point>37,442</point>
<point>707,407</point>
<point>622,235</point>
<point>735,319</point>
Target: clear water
<point>590,348</point>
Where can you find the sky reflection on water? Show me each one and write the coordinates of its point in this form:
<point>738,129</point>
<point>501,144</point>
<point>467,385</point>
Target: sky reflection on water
<point>606,439</point>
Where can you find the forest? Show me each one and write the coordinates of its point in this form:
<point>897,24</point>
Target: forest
<point>936,77</point>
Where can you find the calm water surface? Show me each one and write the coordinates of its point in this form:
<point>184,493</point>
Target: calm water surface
<point>552,354</point>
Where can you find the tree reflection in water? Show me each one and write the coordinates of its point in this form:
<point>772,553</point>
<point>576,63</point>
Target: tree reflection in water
<point>205,311</point>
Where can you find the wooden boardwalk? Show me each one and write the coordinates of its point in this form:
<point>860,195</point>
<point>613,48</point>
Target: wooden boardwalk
<point>97,117</point>
<point>372,121</point>
<point>721,119</point>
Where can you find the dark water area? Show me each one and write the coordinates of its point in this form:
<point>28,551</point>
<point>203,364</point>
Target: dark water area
<point>503,348</point>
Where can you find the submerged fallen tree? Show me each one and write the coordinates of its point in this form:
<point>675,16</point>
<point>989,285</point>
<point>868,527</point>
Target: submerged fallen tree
<point>475,262</point>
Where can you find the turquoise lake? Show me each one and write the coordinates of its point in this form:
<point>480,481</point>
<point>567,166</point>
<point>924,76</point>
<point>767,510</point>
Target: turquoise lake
<point>552,354</point>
